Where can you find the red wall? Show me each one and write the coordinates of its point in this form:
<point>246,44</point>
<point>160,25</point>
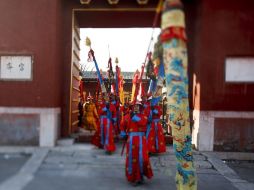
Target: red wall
<point>32,27</point>
<point>224,28</point>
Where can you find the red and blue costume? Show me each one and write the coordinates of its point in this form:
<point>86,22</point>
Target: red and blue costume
<point>104,137</point>
<point>137,159</point>
<point>154,133</point>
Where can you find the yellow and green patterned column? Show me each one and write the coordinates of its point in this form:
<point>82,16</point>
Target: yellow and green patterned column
<point>173,38</point>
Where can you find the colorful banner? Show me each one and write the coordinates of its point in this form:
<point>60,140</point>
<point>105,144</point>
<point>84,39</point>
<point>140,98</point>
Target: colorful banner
<point>176,64</point>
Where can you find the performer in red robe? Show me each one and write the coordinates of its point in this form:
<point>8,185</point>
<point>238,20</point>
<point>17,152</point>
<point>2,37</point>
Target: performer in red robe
<point>105,133</point>
<point>114,118</point>
<point>154,133</point>
<point>107,113</point>
<point>137,159</point>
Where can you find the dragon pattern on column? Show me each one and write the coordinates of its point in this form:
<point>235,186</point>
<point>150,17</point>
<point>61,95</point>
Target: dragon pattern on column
<point>173,38</point>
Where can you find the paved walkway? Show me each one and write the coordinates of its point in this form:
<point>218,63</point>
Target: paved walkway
<point>11,164</point>
<point>84,167</point>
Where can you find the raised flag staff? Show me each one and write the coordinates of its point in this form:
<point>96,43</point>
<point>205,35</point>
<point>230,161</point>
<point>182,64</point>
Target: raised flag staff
<point>117,96</point>
<point>148,54</point>
<point>91,57</point>
<point>110,74</point>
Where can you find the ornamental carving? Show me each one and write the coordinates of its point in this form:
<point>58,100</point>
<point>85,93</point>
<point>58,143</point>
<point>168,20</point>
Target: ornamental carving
<point>142,2</point>
<point>85,1</point>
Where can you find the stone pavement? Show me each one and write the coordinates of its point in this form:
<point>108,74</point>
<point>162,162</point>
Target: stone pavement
<point>245,169</point>
<point>84,167</point>
<point>11,164</point>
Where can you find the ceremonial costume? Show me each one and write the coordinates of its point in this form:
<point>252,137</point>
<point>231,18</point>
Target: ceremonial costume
<point>137,159</point>
<point>90,115</point>
<point>124,120</point>
<point>154,133</point>
<point>115,105</point>
<point>106,111</point>
<point>106,127</point>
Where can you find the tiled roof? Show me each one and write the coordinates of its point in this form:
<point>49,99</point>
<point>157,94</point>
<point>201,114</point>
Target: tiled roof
<point>93,75</point>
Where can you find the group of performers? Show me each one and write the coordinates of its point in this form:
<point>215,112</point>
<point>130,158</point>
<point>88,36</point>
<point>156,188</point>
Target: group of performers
<point>138,125</point>
<point>137,122</point>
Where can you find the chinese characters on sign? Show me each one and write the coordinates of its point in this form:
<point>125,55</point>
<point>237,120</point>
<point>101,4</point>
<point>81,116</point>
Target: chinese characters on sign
<point>16,67</point>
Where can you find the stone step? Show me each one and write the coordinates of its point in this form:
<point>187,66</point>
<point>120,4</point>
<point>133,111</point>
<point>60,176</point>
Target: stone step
<point>84,136</point>
<point>65,142</point>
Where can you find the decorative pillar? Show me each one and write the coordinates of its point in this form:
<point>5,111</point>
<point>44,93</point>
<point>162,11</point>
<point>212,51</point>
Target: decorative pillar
<point>173,38</point>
